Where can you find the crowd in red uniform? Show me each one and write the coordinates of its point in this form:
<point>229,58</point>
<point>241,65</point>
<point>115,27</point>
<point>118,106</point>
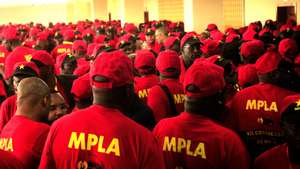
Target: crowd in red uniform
<point>104,96</point>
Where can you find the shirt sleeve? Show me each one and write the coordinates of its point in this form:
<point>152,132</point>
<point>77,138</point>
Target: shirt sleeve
<point>158,102</point>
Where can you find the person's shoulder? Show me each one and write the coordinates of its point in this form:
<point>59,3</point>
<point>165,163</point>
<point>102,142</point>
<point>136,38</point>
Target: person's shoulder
<point>168,124</point>
<point>271,154</point>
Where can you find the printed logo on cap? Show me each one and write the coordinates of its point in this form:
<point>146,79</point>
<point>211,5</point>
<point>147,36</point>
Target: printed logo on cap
<point>28,57</point>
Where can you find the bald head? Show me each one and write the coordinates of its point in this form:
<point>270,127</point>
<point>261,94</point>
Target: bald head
<point>33,99</point>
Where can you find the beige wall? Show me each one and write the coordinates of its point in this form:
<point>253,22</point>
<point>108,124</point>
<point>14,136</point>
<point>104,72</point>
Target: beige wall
<point>38,13</point>
<point>134,11</point>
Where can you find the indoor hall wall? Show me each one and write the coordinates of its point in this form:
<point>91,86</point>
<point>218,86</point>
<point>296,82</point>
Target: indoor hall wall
<point>41,13</point>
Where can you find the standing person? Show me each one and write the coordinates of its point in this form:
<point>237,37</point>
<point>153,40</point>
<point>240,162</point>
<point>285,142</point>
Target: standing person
<point>58,107</point>
<point>254,112</point>
<point>193,139</point>
<point>105,138</point>
<point>166,99</point>
<point>25,134</point>
<point>285,156</point>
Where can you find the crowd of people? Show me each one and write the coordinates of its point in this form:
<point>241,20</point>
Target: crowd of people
<point>98,95</point>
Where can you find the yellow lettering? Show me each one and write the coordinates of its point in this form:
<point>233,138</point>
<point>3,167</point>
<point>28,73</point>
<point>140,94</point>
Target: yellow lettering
<point>61,50</point>
<point>76,141</point>
<point>177,98</point>
<point>260,104</point>
<point>266,106</point>
<point>200,150</point>
<point>1,144</point>
<point>169,144</point>
<point>182,98</point>
<point>181,144</point>
<point>251,104</point>
<point>100,145</point>
<point>143,93</point>
<point>92,141</point>
<point>68,50</point>
<point>188,147</point>
<point>6,144</point>
<point>9,145</point>
<point>114,147</point>
<point>2,55</point>
<point>273,107</point>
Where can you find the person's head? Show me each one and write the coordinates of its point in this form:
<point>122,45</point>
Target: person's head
<point>88,36</point>
<point>290,121</point>
<point>43,42</point>
<point>69,35</point>
<point>144,62</point>
<point>203,86</point>
<point>161,34</point>
<point>33,99</point>
<point>69,64</point>
<point>127,43</point>
<point>82,91</point>
<point>23,70</point>
<point>288,49</point>
<point>58,107</point>
<point>111,77</point>
<point>45,63</point>
<point>250,51</point>
<point>79,49</point>
<point>11,38</point>
<point>172,43</point>
<point>168,64</point>
<point>190,48</point>
<point>150,36</point>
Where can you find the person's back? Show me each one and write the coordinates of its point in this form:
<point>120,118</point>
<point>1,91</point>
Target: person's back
<point>104,139</point>
<point>254,112</point>
<point>9,161</point>
<point>100,136</point>
<point>193,140</point>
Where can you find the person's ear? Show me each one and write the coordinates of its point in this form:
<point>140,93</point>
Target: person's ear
<point>46,102</point>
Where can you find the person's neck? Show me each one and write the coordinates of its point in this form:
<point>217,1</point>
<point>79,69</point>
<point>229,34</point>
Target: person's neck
<point>25,113</point>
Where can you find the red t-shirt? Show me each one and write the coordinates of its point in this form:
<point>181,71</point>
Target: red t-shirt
<point>3,53</point>
<point>61,49</point>
<point>182,70</point>
<point>255,115</point>
<point>25,139</point>
<point>275,158</point>
<point>195,142</point>
<point>7,110</point>
<point>143,84</point>
<point>9,161</point>
<point>100,137</point>
<point>158,100</point>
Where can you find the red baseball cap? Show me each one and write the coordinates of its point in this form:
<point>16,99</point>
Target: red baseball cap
<point>81,88</point>
<point>191,38</point>
<point>19,54</point>
<point>268,62</point>
<point>247,74</point>
<point>115,66</point>
<point>69,35</point>
<point>43,57</point>
<point>211,47</point>
<point>144,60</point>
<point>217,35</point>
<point>231,37</point>
<point>11,33</point>
<point>288,49</point>
<point>26,68</point>
<point>130,28</point>
<point>203,79</point>
<point>88,32</point>
<point>249,35</point>
<point>170,41</point>
<point>82,69</point>
<point>211,27</point>
<point>79,45</point>
<point>43,36</point>
<point>290,103</point>
<point>168,59</point>
<point>253,48</point>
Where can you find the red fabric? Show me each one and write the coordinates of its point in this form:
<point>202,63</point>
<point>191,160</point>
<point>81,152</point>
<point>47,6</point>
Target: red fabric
<point>207,77</point>
<point>275,158</point>
<point>247,74</point>
<point>143,84</point>
<point>288,49</point>
<point>81,69</point>
<point>9,161</point>
<point>250,106</point>
<point>222,148</point>
<point>188,36</point>
<point>7,110</point>
<point>144,58</point>
<point>253,48</point>
<point>3,54</point>
<point>130,28</point>
<point>10,33</point>
<point>167,59</point>
<point>61,49</point>
<point>287,101</point>
<point>19,54</point>
<point>79,45</point>
<point>31,65</point>
<point>217,35</point>
<point>211,27</point>
<point>158,100</point>
<point>182,70</point>
<point>81,87</point>
<point>134,141</point>
<point>115,66</point>
<point>28,138</point>
<point>211,47</point>
<point>68,35</point>
<point>44,57</point>
<point>169,42</point>
<point>268,62</point>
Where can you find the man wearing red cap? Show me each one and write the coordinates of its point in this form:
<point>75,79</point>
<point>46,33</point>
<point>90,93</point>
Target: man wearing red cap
<point>144,63</point>
<point>193,139</point>
<point>167,98</point>
<point>285,156</point>
<point>82,92</point>
<point>8,107</point>
<point>105,138</point>
<point>254,112</point>
<point>25,134</point>
<point>66,46</point>
<point>190,49</point>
